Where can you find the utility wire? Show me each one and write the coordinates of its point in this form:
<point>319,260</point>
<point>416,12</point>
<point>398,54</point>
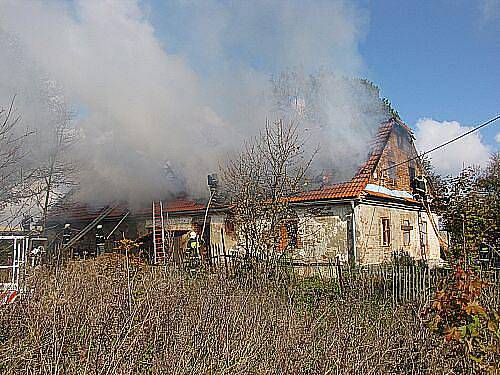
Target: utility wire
<point>445,143</point>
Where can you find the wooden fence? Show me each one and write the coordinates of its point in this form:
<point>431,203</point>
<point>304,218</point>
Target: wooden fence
<point>393,282</point>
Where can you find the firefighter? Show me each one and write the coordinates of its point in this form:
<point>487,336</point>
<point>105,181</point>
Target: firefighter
<point>420,187</point>
<point>66,237</point>
<point>192,255</point>
<point>100,240</point>
<point>36,255</point>
<point>26,223</point>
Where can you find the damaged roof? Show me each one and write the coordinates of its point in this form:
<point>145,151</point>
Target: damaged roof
<point>85,212</point>
<point>353,188</point>
<point>356,186</point>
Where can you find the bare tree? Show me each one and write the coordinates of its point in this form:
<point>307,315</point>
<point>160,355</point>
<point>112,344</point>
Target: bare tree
<point>36,168</point>
<point>12,175</point>
<point>54,170</point>
<point>258,182</point>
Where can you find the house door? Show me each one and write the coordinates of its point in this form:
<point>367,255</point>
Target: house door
<point>178,246</point>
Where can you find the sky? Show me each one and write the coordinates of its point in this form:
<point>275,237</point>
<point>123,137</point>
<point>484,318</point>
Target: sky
<point>435,60</point>
<point>439,60</point>
<point>175,85</point>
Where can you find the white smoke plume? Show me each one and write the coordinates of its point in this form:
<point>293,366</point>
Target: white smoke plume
<point>159,108</point>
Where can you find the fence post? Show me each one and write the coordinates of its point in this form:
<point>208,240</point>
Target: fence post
<point>224,251</point>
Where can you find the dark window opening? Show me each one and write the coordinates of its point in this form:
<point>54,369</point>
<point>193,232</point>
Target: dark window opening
<point>386,231</point>
<point>403,143</point>
<point>406,232</point>
<point>400,141</point>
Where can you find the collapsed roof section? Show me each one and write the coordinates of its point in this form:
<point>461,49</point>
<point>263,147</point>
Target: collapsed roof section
<point>84,212</point>
<point>360,185</point>
<point>357,186</point>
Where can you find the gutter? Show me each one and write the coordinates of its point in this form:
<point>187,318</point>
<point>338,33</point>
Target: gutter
<point>321,202</point>
<point>392,203</point>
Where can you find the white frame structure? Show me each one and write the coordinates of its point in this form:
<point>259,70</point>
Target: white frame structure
<point>21,248</point>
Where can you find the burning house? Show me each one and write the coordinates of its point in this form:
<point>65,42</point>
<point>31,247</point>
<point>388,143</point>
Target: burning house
<point>175,219</point>
<point>378,213</point>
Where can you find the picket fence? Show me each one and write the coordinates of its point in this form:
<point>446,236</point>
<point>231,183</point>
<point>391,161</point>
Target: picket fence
<point>395,282</point>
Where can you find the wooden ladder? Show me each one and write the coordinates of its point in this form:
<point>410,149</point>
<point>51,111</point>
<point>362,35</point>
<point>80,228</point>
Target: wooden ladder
<point>159,250</point>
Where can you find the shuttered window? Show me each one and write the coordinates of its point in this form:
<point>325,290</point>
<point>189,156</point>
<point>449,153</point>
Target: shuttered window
<point>386,231</point>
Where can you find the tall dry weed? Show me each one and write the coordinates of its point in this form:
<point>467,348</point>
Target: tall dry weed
<point>87,318</point>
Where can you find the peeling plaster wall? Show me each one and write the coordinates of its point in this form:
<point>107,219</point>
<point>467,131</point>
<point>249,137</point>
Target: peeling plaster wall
<point>323,233</point>
<point>369,234</point>
<point>433,254</point>
<point>218,223</point>
<point>172,223</point>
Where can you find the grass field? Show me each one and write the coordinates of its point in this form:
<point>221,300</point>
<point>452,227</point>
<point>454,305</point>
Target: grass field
<point>107,316</point>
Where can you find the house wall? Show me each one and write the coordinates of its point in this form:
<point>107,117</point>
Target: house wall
<point>323,233</point>
<point>219,227</point>
<point>172,223</point>
<point>369,247</point>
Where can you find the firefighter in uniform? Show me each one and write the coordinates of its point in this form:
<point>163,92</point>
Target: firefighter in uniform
<point>420,187</point>
<point>66,237</point>
<point>192,254</point>
<point>100,240</point>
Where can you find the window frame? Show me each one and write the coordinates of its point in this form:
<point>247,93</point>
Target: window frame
<point>424,235</point>
<point>406,223</point>
<point>385,227</point>
<point>412,173</point>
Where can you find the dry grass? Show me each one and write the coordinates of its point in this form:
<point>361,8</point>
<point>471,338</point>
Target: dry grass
<point>101,317</point>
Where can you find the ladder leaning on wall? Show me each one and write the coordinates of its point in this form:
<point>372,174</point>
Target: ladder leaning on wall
<point>158,224</point>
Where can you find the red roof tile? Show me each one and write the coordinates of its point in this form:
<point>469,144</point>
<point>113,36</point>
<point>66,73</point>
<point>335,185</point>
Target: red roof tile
<point>183,205</point>
<point>85,212</point>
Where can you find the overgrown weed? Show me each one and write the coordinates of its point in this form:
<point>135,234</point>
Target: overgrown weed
<point>91,318</point>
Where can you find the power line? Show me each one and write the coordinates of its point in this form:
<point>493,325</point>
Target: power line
<point>445,143</point>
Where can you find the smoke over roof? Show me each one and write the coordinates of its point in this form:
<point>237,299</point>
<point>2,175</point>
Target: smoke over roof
<point>161,94</point>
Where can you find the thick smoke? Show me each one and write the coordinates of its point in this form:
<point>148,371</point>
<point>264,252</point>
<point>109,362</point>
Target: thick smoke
<point>156,109</point>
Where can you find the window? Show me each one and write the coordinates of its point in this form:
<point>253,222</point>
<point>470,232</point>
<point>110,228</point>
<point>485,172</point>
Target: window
<point>229,226</point>
<point>289,235</point>
<point>423,234</point>
<point>400,141</point>
<point>386,231</point>
<point>406,228</point>
<point>403,141</point>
